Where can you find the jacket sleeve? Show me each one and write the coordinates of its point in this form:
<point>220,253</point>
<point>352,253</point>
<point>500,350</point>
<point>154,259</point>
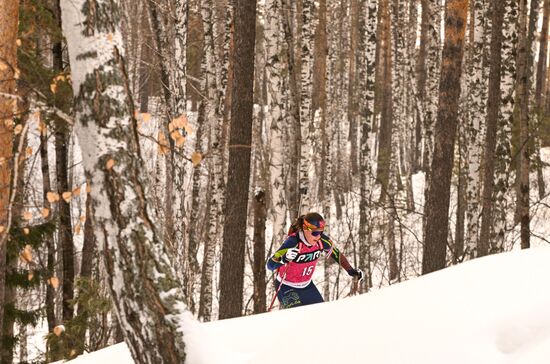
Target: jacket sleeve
<point>335,254</point>
<point>275,261</point>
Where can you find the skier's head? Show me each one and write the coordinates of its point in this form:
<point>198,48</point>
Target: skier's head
<point>311,224</point>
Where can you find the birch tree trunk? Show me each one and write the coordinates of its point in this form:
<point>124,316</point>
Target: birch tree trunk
<point>503,152</point>
<point>320,103</point>
<point>353,90</point>
<point>437,200</point>
<point>366,127</point>
<point>9,20</point>
<point>275,116</point>
<point>214,118</point>
<point>141,279</point>
<point>386,118</point>
<point>293,96</point>
<point>433,61</point>
<point>307,135</point>
<point>493,106</point>
<point>476,101</point>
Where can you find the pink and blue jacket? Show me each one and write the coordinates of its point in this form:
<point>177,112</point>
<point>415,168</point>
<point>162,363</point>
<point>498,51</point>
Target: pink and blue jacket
<point>299,272</point>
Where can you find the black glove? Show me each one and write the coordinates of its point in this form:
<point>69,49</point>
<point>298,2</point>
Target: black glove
<point>357,273</point>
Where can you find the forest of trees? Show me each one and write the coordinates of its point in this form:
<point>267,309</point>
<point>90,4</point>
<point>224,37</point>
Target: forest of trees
<point>153,153</point>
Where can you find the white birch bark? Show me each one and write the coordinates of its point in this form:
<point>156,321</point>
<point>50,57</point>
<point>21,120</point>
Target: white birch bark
<point>146,296</point>
<point>433,62</point>
<point>366,159</point>
<point>181,165</point>
<point>214,118</point>
<point>274,116</point>
<point>503,152</point>
<point>477,101</point>
<point>306,116</point>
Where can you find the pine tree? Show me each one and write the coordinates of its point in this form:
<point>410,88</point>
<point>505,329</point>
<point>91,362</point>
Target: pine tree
<point>9,18</point>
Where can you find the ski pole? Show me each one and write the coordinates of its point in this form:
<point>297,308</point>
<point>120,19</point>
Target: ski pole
<point>278,289</point>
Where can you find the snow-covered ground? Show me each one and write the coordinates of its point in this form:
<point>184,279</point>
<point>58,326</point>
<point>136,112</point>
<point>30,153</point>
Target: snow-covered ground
<point>490,310</point>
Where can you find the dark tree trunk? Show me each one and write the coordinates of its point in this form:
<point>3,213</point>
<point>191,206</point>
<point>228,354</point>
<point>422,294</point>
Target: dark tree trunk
<point>539,94</point>
<point>62,137</point>
<point>9,17</point>
<point>386,120</point>
<point>493,106</point>
<point>89,245</point>
<point>526,36</point>
<point>260,216</point>
<point>294,110</point>
<point>49,239</point>
<point>437,199</point>
<point>460,204</point>
<point>234,232</point>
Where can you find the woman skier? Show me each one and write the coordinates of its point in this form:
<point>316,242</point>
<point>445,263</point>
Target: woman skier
<point>296,259</point>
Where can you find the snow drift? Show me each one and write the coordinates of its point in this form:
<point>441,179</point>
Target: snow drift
<point>490,310</point>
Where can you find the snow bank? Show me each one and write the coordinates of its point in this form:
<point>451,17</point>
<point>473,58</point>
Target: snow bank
<point>490,310</point>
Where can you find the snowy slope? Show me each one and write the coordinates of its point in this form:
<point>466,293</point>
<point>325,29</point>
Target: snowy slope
<point>489,310</point>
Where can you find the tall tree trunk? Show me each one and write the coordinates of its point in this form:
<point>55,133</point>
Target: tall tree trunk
<point>294,113</point>
<point>62,137</point>
<point>433,61</point>
<point>503,151</point>
<point>353,91</point>
<point>275,116</point>
<point>141,278</point>
<point>366,127</point>
<point>386,119</point>
<point>65,226</point>
<point>258,268</point>
<point>50,243</point>
<point>437,200</point>
<point>234,232</point>
<point>526,36</point>
<point>9,19</point>
<point>539,95</point>
<point>493,107</point>
<point>476,109</point>
<point>163,60</point>
<point>217,189</point>
<point>307,134</point>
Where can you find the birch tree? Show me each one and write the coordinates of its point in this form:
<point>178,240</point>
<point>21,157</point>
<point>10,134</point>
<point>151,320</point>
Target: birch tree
<point>428,78</point>
<point>214,118</point>
<point>275,115</point>
<point>476,110</point>
<point>140,276</point>
<point>437,199</point>
<point>307,134</point>
<point>493,106</point>
<point>503,152</point>
<point>366,127</point>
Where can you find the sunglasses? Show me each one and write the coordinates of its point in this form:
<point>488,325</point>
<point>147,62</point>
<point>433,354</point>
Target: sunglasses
<point>317,233</point>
